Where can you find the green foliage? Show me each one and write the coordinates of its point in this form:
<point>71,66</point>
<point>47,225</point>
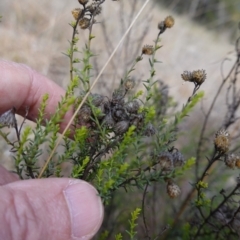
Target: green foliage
<point>104,235</point>
<point>202,200</point>
<point>186,231</point>
<point>118,236</point>
<point>188,165</point>
<point>134,216</point>
<point>188,107</point>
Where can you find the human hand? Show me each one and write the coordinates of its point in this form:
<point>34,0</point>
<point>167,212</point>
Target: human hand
<point>52,208</point>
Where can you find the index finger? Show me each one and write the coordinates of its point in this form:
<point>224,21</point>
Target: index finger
<point>21,87</point>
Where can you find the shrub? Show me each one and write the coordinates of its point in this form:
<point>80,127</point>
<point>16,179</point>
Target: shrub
<point>125,145</point>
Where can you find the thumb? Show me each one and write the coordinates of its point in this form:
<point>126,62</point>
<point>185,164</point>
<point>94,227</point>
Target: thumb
<point>50,208</point>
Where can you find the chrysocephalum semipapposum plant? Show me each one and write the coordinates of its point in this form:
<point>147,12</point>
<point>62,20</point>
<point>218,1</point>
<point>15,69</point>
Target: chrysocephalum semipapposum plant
<point>121,143</point>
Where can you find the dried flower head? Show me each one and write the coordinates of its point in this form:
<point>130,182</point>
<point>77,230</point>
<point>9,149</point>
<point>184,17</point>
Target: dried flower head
<point>230,160</point>
<point>76,13</point>
<point>108,120</point>
<point>137,120</point>
<point>169,21</point>
<point>148,50</point>
<point>119,113</point>
<point>83,2</point>
<point>129,84</point>
<point>197,77</point>
<point>85,114</point>
<point>118,96</point>
<point>222,141</point>
<point>95,9</point>
<point>178,159</point>
<point>173,189</point>
<point>132,107</point>
<point>97,99</point>
<point>150,130</point>
<point>8,118</point>
<point>187,76</point>
<point>84,23</point>
<point>121,127</point>
<point>165,161</point>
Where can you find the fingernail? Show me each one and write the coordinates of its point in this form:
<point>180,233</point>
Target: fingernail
<point>85,209</point>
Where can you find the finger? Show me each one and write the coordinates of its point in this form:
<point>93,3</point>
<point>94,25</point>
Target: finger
<point>6,176</point>
<point>49,209</point>
<point>22,87</point>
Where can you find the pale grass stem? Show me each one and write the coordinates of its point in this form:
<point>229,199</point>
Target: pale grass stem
<point>94,83</point>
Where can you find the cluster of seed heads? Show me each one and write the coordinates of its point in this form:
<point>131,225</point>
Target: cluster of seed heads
<point>115,114</point>
<point>85,16</point>
<point>197,77</point>
<point>168,161</point>
<point>167,23</point>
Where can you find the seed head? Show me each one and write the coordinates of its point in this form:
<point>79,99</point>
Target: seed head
<point>117,96</point>
<point>129,84</point>
<point>150,130</point>
<point>108,120</point>
<point>97,99</point>
<point>132,107</point>
<point>84,23</point>
<point>197,77</point>
<point>166,161</point>
<point>169,21</point>
<point>76,13</point>
<point>85,113</point>
<point>187,76</point>
<point>137,120</point>
<point>173,189</point>
<point>222,141</point>
<point>178,159</point>
<point>95,9</point>
<point>119,114</point>
<point>83,2</point>
<point>230,160</point>
<point>148,50</point>
<point>121,127</point>
<point>8,118</point>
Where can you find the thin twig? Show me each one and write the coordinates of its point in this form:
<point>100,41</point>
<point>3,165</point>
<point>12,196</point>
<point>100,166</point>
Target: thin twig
<point>143,212</point>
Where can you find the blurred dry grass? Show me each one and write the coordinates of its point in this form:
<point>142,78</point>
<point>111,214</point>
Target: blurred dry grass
<point>37,32</point>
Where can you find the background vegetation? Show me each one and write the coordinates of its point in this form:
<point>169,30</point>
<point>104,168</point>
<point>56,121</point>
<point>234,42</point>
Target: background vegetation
<point>214,15</point>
